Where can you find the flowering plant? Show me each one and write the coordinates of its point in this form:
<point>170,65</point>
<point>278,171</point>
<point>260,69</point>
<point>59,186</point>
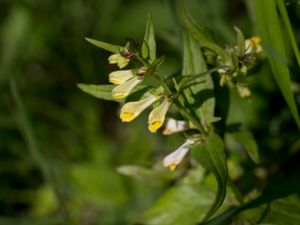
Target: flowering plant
<point>189,94</point>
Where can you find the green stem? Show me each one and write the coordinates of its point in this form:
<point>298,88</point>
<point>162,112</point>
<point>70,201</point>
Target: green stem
<point>35,151</point>
<point>181,108</point>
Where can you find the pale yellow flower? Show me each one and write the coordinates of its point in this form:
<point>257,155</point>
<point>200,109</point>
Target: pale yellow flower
<point>122,91</point>
<point>131,110</point>
<point>118,59</point>
<point>120,76</point>
<point>157,116</point>
<point>243,91</point>
<point>253,45</point>
<point>173,159</point>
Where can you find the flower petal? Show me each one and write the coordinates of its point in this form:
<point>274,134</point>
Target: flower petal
<point>157,116</point>
<point>120,76</point>
<point>173,126</point>
<point>173,159</point>
<point>123,90</point>
<point>132,109</point>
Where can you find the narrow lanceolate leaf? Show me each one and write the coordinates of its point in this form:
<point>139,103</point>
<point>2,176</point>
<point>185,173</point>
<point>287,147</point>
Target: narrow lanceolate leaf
<point>106,46</point>
<point>98,91</point>
<point>248,142</point>
<point>211,156</point>
<point>199,33</point>
<point>149,44</point>
<point>272,37</point>
<point>200,95</point>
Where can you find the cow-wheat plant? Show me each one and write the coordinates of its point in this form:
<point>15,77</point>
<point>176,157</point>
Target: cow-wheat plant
<point>188,92</point>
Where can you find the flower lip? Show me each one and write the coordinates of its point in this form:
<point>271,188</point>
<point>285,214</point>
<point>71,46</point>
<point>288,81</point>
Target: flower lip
<point>118,59</point>
<point>157,116</point>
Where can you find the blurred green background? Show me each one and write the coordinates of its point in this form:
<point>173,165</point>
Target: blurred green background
<point>81,138</point>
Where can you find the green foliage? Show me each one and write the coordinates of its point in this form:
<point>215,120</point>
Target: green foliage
<point>98,91</point>
<point>64,154</point>
<point>149,44</point>
<point>248,142</point>
<point>106,46</point>
<point>270,27</point>
<point>211,156</point>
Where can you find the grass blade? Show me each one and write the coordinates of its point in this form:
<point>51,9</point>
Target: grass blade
<point>34,150</point>
<point>271,33</point>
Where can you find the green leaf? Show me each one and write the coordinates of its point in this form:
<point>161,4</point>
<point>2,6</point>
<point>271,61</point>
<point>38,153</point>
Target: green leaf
<point>271,193</point>
<point>103,91</point>
<point>149,44</point>
<point>199,33</point>
<point>211,156</point>
<point>106,46</point>
<point>271,33</point>
<point>98,91</point>
<point>280,212</point>
<point>199,95</point>
<point>181,205</point>
<point>247,140</point>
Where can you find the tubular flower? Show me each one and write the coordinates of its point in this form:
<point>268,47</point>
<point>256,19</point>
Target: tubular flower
<point>122,91</point>
<point>132,109</point>
<point>121,59</point>
<point>173,159</point>
<point>121,76</point>
<point>253,45</point>
<point>174,126</point>
<point>157,116</point>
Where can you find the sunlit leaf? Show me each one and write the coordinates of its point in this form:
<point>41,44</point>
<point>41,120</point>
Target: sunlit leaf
<point>98,91</point>
<point>210,154</point>
<point>182,205</point>
<point>199,95</point>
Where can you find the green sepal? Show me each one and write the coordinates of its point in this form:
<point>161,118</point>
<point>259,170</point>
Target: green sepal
<point>240,41</point>
<point>210,154</point>
<point>106,46</point>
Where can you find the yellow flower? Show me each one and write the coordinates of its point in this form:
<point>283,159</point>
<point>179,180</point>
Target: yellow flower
<point>119,59</point>
<point>253,45</point>
<point>120,76</point>
<point>132,109</point>
<point>243,91</point>
<point>123,90</point>
<point>157,116</point>
<point>173,159</point>
<point>173,126</point>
